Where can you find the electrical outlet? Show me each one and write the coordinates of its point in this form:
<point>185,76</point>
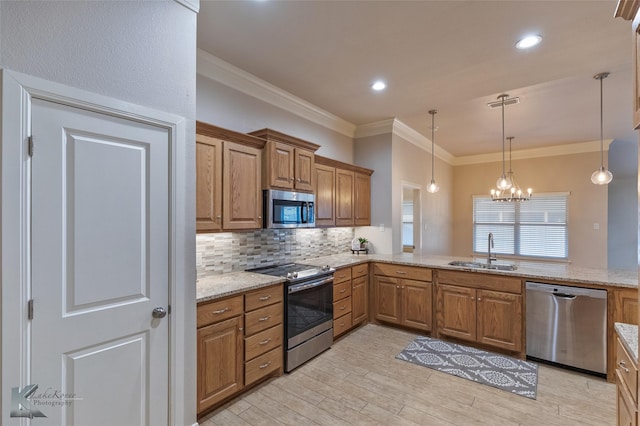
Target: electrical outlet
<point>596,226</point>
<point>198,259</point>
<point>381,227</point>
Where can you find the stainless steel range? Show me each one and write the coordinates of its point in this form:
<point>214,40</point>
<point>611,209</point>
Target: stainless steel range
<point>308,295</point>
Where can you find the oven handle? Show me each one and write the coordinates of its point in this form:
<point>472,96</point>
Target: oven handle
<point>304,286</point>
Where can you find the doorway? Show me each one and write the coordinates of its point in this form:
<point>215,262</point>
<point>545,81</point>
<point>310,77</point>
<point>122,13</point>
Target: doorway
<point>411,218</point>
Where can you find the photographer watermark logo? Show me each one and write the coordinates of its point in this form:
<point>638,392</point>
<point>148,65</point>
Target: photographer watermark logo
<point>25,402</point>
<point>21,405</point>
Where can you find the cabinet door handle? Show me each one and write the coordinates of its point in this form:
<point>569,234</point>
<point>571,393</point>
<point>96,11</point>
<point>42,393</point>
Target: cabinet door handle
<point>623,366</point>
<point>264,342</point>
<point>401,272</point>
<point>343,290</point>
<point>265,365</point>
<point>221,311</point>
<point>263,298</point>
<point>264,318</point>
<point>342,308</point>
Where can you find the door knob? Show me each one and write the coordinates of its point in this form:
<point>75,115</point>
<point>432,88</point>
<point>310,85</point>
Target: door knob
<point>159,312</point>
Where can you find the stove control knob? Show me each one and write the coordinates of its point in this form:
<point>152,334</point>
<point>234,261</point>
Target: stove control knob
<point>289,275</point>
<point>295,275</point>
<point>326,267</point>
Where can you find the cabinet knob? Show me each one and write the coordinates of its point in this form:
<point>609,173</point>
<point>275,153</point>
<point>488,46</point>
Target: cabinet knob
<point>623,366</point>
<point>218,217</point>
<point>473,298</point>
<point>259,217</point>
<point>397,286</point>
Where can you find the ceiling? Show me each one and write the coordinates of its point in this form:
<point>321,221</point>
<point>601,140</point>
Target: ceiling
<point>454,56</point>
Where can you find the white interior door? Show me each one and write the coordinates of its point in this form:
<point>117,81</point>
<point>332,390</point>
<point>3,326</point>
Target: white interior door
<point>100,265</point>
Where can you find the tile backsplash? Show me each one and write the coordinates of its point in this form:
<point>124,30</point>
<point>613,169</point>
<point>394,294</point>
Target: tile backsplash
<point>237,251</point>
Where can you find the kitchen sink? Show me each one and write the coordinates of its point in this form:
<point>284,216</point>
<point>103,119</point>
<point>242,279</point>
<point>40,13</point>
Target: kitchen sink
<point>479,265</point>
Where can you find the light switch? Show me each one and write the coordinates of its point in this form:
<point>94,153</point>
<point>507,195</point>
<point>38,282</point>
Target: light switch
<point>381,227</point>
<point>198,259</point>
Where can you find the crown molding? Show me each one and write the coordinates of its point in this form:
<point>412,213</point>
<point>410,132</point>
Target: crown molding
<point>549,151</point>
<point>223,72</point>
<point>400,129</point>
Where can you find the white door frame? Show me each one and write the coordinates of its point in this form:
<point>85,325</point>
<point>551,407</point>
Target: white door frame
<point>417,219</point>
<point>16,92</point>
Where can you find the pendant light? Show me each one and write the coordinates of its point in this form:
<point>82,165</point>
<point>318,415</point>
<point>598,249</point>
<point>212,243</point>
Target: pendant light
<point>602,176</point>
<point>433,186</point>
<point>503,183</point>
<point>508,189</point>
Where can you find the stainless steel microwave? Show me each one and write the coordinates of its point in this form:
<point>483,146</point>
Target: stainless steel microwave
<point>288,209</point>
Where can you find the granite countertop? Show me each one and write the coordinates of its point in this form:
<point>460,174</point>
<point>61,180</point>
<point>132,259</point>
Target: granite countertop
<point>629,336</point>
<point>221,285</point>
<point>526,269</point>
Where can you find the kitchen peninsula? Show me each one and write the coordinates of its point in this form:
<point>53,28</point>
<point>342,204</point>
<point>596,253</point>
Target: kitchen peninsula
<point>428,277</point>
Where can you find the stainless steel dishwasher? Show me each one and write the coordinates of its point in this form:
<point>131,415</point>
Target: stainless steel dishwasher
<point>567,325</point>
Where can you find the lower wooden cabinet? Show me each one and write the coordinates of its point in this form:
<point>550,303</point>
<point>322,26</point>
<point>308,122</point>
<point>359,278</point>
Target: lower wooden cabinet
<point>403,301</point>
<point>239,343</point>
<point>359,299</point>
<point>471,307</point>
<point>220,361</point>
<point>350,298</point>
<point>627,386</point>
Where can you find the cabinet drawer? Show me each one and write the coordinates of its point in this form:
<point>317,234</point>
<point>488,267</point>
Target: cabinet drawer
<point>359,270</point>
<point>263,297</point>
<point>262,319</point>
<point>263,342</point>
<point>341,290</point>
<point>480,280</point>
<point>401,271</point>
<point>342,275</point>
<point>627,369</point>
<point>341,325</point>
<point>342,307</point>
<point>208,313</point>
<point>263,365</point>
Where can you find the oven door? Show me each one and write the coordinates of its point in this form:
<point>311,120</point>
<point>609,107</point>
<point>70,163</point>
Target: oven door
<point>309,310</point>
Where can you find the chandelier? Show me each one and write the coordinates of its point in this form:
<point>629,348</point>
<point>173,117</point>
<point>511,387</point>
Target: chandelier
<point>507,186</point>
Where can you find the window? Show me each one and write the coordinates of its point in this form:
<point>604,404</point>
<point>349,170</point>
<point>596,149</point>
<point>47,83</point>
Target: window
<point>407,223</point>
<point>534,228</point>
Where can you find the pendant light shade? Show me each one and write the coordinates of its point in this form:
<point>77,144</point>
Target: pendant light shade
<point>602,176</point>
<point>433,186</point>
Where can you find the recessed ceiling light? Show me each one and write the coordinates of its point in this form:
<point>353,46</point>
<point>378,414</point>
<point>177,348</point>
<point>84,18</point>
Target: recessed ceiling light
<point>378,85</point>
<point>529,42</point>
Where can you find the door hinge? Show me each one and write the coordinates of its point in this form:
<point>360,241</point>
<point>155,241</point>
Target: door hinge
<point>30,309</point>
<point>30,147</point>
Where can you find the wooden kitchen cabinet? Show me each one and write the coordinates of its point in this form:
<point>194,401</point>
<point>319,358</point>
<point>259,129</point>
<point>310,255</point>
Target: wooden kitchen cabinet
<point>403,295</point>
<point>626,306</point>
<point>239,342</point>
<point>344,197</point>
<point>362,200</point>
<point>349,187</point>
<point>242,196</point>
<point>288,161</point>
<point>480,308</point>
<point>359,293</point>
<point>220,350</point>
<point>208,183</point>
<point>627,386</point>
<point>228,179</point>
<point>325,195</point>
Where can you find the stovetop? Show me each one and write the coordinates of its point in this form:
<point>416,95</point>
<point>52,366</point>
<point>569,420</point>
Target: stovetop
<point>294,271</point>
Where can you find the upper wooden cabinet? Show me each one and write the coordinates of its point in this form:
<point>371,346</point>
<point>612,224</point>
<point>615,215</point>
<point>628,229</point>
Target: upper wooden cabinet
<point>325,195</point>
<point>208,183</point>
<point>350,191</point>
<point>228,175</point>
<point>628,9</point>
<point>288,161</point>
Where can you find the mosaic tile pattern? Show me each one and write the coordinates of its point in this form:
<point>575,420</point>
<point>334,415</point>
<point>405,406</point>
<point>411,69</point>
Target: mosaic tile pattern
<point>238,251</point>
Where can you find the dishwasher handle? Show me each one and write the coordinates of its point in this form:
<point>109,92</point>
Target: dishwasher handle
<point>564,295</point>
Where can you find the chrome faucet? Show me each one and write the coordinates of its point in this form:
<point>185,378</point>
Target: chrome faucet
<point>489,247</point>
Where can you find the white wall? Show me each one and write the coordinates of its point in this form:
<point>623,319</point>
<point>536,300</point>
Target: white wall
<point>374,152</point>
<point>223,106</point>
<point>622,238</point>
<point>138,52</point>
